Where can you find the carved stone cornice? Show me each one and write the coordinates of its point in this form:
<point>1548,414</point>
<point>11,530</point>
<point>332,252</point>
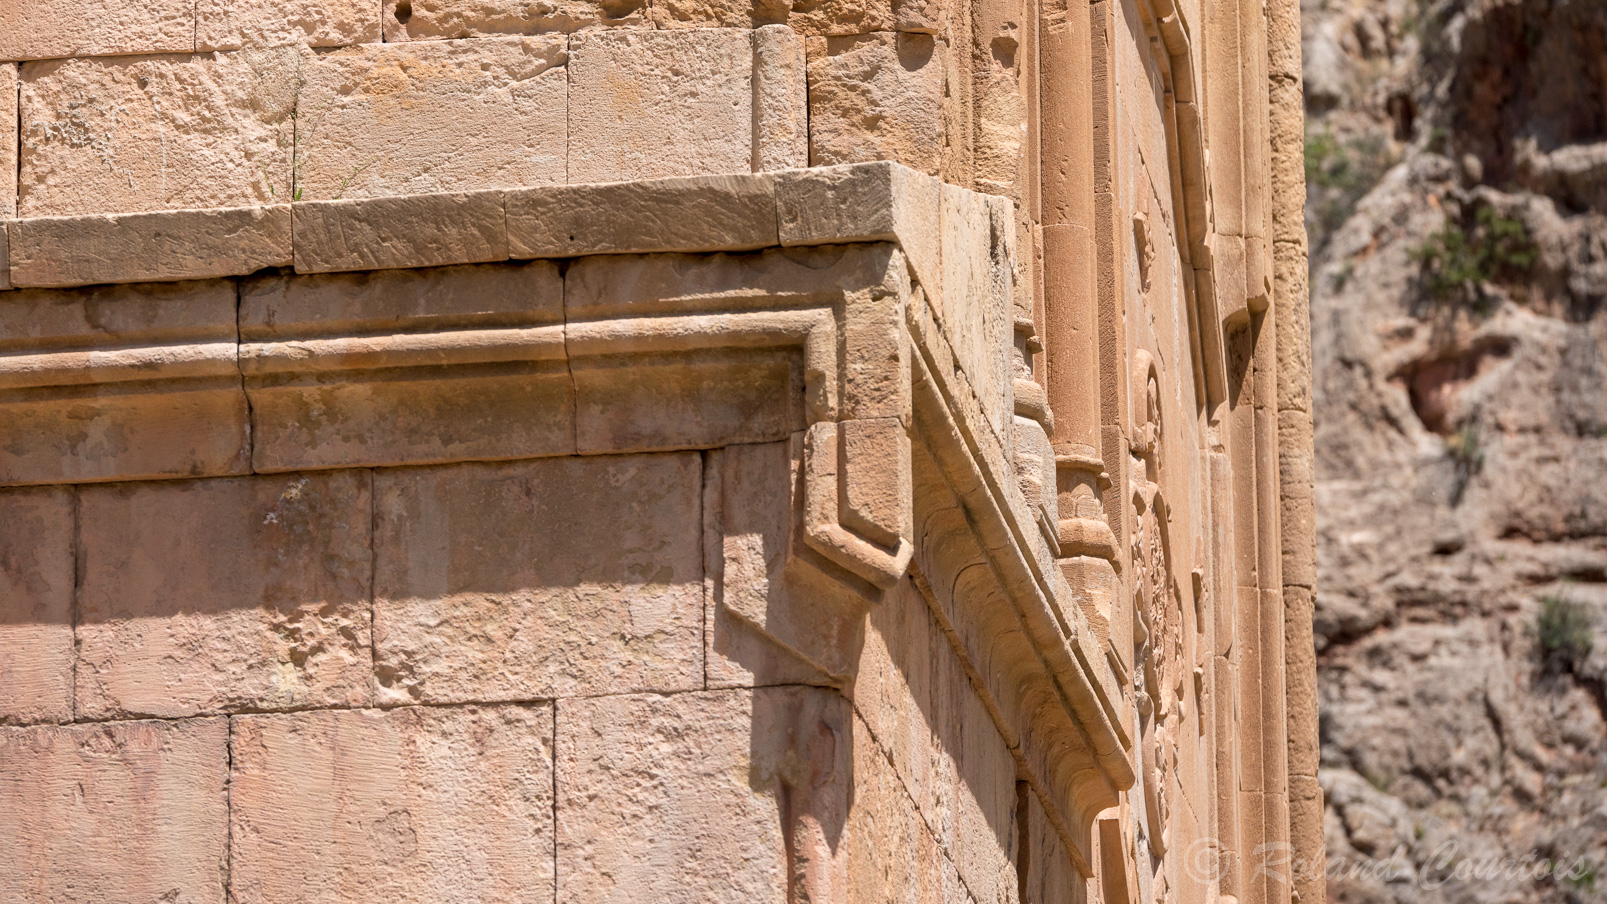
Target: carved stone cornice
<point>860,313</point>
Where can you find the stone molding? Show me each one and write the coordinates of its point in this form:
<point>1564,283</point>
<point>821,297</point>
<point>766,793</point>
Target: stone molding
<point>825,205</point>
<point>865,317</point>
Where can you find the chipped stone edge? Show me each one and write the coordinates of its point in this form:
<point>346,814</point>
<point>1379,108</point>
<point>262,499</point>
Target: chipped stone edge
<point>160,246</point>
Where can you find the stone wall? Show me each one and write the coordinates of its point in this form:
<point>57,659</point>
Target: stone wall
<point>615,451</point>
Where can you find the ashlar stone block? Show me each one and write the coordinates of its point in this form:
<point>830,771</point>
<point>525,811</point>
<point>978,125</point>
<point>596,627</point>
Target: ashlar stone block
<point>556,577</point>
<point>125,134</point>
<point>781,96</point>
<point>418,804</point>
<point>224,594</point>
<point>48,29</point>
<point>233,24</point>
<point>715,796</point>
<point>877,96</point>
<point>149,247</point>
<point>649,104</point>
<point>438,116</point>
<point>36,598</point>
<point>116,812</point>
<point>697,213</point>
<point>813,17</point>
<point>425,20</point>
<point>8,146</point>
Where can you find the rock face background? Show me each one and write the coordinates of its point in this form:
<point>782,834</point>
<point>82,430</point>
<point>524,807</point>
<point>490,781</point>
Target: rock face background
<point>1457,165</point>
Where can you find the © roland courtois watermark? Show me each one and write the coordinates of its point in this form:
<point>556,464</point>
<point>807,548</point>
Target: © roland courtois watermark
<point>1445,864</point>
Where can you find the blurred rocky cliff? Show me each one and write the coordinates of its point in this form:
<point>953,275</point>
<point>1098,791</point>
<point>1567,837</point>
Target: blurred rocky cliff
<point>1456,158</point>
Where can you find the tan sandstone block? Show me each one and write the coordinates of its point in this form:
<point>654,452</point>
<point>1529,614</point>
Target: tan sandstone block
<point>5,255</point>
<point>646,403</point>
<point>407,231</point>
<point>424,20</point>
<point>781,100</point>
<point>863,203</point>
<point>149,247</point>
<point>647,104</point>
<point>692,797</point>
<point>419,804</point>
<point>232,24</point>
<point>841,17</point>
<point>36,598</point>
<point>8,147</point>
<point>134,133</point>
<point>891,854</point>
<point>877,97</point>
<point>43,29</point>
<point>119,813</point>
<point>932,728</point>
<point>224,594</point>
<point>437,116</point>
<point>815,17</point>
<point>170,404</point>
<point>696,213</point>
<point>748,514</point>
<point>555,577</point>
<point>346,369</point>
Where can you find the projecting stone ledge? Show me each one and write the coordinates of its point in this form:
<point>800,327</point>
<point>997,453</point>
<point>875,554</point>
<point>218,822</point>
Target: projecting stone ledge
<point>835,342</point>
<point>825,205</point>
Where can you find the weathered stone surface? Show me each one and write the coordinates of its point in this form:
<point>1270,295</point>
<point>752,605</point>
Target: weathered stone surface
<point>708,796</point>
<point>914,697</point>
<point>647,104</point>
<point>877,96</point>
<point>44,29</point>
<point>866,202</point>
<point>411,231</point>
<point>841,17</point>
<point>344,370</point>
<point>8,145</point>
<point>125,811</point>
<point>814,17</point>
<point>441,116</point>
<point>420,20</point>
<point>698,213</point>
<point>36,599</point>
<point>418,804</point>
<point>232,24</point>
<point>133,133</point>
<point>120,382</point>
<point>284,308</point>
<point>975,302</point>
<point>749,512</point>
<point>346,419</point>
<point>216,595</point>
<point>550,578</point>
<point>891,852</point>
<point>781,100</point>
<point>157,246</point>
<point>656,402</point>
